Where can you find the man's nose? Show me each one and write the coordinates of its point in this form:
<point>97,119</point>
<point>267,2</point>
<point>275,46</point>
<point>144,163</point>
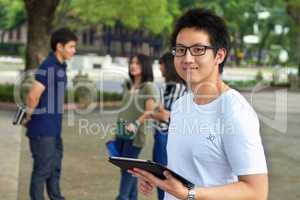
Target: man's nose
<point>188,57</point>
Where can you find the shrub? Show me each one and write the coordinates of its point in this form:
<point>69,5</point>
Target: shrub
<point>241,84</point>
<point>7,93</point>
<point>101,96</point>
<point>259,76</point>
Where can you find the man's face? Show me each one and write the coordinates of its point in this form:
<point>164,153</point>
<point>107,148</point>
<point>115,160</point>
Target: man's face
<point>196,69</point>
<point>68,50</point>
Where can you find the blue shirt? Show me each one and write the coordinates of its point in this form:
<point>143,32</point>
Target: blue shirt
<point>46,120</point>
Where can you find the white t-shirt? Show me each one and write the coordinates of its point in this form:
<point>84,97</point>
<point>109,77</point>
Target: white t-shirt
<point>212,144</point>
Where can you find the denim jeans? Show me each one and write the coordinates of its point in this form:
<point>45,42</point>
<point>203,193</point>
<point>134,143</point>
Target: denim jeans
<point>47,155</point>
<point>128,183</point>
<point>160,153</point>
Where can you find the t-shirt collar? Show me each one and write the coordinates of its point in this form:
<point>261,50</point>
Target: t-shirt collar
<point>55,60</point>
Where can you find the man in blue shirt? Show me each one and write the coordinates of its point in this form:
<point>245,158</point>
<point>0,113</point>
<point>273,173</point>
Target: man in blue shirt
<point>44,102</point>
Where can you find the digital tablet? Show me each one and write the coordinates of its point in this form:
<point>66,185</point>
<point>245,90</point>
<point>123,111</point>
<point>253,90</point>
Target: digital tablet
<point>149,166</point>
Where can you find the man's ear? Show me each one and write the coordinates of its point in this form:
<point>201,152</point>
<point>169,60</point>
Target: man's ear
<point>220,56</point>
<point>59,47</point>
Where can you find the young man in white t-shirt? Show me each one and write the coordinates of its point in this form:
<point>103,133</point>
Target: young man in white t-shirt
<point>214,139</point>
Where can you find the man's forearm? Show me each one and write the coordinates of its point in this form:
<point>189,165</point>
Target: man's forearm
<point>31,103</point>
<point>236,191</point>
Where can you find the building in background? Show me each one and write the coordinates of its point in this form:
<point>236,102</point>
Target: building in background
<point>116,41</point>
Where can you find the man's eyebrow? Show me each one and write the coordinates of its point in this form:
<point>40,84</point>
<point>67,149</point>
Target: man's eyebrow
<point>179,44</point>
<point>200,44</point>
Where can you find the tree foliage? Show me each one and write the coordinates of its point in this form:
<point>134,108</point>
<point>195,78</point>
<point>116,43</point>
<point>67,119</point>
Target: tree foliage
<point>293,7</point>
<point>153,15</point>
<point>12,13</point>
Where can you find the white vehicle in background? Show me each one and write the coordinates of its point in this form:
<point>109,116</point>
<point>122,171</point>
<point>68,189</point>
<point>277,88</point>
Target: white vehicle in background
<point>107,73</point>
<point>92,64</point>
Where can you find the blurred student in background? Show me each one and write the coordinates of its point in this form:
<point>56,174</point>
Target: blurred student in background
<point>139,96</point>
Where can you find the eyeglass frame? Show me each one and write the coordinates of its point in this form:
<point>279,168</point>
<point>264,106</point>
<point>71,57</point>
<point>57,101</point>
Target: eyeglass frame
<point>173,50</point>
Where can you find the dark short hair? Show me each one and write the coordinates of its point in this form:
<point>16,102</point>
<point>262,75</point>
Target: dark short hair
<point>171,75</point>
<point>146,67</point>
<point>63,36</point>
<point>213,25</point>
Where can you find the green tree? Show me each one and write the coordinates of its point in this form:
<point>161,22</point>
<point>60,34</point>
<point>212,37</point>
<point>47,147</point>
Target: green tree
<point>154,15</point>
<point>240,20</point>
<point>11,14</point>
<point>277,16</point>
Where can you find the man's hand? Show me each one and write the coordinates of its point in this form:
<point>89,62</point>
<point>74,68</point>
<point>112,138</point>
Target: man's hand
<point>32,100</point>
<point>170,184</point>
<point>146,187</point>
<point>25,121</point>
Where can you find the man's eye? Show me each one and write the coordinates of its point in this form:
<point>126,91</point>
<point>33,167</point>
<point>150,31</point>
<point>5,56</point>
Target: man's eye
<point>198,49</point>
<point>180,50</point>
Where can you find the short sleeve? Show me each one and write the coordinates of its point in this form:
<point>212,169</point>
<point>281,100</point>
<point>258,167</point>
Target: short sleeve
<point>150,90</point>
<point>242,143</point>
<point>41,75</point>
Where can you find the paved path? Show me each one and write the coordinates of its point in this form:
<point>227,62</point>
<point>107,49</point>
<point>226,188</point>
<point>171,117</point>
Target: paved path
<point>281,136</point>
<point>10,147</point>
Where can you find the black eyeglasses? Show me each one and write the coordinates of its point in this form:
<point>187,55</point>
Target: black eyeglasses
<point>195,50</point>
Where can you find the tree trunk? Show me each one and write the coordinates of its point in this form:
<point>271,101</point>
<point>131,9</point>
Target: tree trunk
<point>40,15</point>
<point>294,11</point>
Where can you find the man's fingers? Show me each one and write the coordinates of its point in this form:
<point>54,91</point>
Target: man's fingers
<point>137,173</point>
<point>147,176</point>
<point>141,177</point>
<point>145,192</point>
<point>132,173</point>
<point>143,173</point>
<point>24,123</point>
<point>147,184</point>
<point>145,187</point>
<point>168,175</point>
